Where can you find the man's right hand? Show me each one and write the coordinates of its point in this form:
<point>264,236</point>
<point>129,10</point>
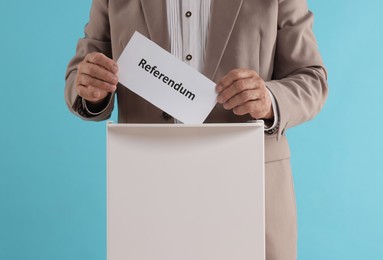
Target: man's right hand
<point>96,77</point>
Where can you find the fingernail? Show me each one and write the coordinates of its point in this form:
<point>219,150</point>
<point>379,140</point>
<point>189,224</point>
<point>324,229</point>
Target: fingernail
<point>220,99</point>
<point>218,88</point>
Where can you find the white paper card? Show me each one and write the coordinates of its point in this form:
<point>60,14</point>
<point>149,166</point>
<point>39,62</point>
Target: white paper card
<point>165,81</point>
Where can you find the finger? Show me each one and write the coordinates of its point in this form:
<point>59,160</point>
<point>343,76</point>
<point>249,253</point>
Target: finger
<point>236,88</point>
<point>91,93</point>
<point>103,61</point>
<point>253,107</point>
<point>241,98</point>
<point>233,76</point>
<point>96,71</point>
<point>256,109</point>
<point>87,80</point>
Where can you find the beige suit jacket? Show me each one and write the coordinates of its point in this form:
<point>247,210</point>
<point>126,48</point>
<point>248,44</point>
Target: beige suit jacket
<point>272,37</point>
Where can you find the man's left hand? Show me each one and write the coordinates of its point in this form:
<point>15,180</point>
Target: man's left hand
<point>245,92</point>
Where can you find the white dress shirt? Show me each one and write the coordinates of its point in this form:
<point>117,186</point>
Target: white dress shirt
<point>188,25</point>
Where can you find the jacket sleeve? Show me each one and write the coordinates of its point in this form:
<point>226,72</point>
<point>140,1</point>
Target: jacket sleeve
<point>97,39</point>
<point>299,82</point>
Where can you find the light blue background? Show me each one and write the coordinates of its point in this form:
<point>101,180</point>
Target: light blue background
<point>52,165</point>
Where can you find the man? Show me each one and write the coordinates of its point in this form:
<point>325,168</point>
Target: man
<point>261,53</point>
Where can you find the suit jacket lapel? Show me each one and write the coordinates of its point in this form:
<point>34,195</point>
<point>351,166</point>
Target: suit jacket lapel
<point>156,19</point>
<point>222,20</point>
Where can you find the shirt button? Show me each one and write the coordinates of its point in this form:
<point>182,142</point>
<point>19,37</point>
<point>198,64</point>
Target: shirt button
<point>166,116</point>
<point>188,14</point>
<point>189,57</point>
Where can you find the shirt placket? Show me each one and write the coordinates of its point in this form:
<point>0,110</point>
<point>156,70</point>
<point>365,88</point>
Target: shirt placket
<point>189,20</point>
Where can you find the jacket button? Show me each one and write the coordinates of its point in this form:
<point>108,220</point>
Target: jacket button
<point>166,116</point>
<point>189,57</point>
<point>188,14</point>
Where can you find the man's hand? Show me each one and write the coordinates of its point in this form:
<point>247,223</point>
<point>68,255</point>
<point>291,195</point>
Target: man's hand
<point>244,91</point>
<point>96,77</point>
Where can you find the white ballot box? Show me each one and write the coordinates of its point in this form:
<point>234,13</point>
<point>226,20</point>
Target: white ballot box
<point>185,192</point>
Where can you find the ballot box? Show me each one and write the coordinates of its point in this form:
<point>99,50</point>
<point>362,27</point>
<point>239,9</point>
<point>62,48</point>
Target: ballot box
<point>185,192</point>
